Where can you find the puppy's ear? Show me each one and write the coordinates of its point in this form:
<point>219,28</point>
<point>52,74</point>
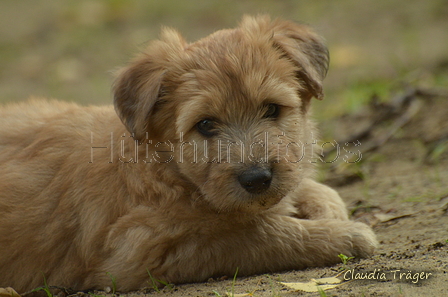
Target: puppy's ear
<point>302,46</point>
<point>308,51</point>
<point>136,91</point>
<point>138,88</point>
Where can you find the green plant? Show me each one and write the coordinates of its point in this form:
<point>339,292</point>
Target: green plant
<point>436,152</point>
<point>114,283</point>
<point>232,290</point>
<point>344,260</point>
<point>45,288</point>
<point>154,282</point>
<point>321,292</point>
<point>274,289</point>
<point>234,281</point>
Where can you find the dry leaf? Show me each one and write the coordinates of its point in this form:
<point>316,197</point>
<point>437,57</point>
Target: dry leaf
<point>8,292</point>
<point>388,217</point>
<point>314,285</point>
<point>327,280</point>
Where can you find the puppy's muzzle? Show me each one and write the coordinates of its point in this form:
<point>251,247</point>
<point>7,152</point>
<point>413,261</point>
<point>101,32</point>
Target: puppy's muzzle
<point>255,180</point>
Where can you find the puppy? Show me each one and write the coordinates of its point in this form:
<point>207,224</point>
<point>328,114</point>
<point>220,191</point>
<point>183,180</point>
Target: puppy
<point>207,171</point>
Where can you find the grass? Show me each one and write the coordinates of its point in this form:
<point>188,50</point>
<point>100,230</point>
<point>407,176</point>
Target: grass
<point>232,291</point>
<point>234,281</point>
<point>114,282</point>
<point>154,283</point>
<point>356,95</point>
<point>274,289</point>
<point>436,152</point>
<point>345,260</point>
<point>400,291</point>
<point>45,288</point>
<point>321,292</point>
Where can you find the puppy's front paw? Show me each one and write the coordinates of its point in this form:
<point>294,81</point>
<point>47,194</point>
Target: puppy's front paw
<point>328,238</point>
<point>315,201</point>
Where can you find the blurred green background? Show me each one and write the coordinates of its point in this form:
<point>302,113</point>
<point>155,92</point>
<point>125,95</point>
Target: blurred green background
<point>69,49</point>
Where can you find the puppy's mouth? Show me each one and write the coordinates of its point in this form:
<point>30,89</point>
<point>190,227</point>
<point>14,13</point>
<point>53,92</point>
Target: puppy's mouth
<point>255,203</point>
<point>239,200</point>
<point>246,188</point>
<point>259,189</point>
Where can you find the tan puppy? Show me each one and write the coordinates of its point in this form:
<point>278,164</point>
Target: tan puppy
<point>218,177</point>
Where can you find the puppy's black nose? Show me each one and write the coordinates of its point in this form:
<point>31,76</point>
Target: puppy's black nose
<point>255,180</point>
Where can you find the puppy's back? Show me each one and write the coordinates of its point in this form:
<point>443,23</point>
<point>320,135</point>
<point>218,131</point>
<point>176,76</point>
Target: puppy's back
<point>44,155</point>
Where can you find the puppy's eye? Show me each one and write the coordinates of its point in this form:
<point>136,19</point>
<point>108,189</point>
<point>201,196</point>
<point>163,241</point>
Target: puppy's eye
<point>207,127</point>
<point>273,110</point>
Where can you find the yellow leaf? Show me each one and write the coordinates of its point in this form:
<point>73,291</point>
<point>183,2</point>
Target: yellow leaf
<point>327,280</point>
<point>314,285</point>
<point>8,292</point>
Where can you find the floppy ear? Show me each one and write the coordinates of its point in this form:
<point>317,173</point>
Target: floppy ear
<point>136,91</point>
<point>308,51</point>
<point>299,44</point>
<point>138,87</point>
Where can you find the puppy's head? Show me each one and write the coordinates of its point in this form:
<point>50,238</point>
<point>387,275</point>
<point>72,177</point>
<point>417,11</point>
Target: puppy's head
<point>235,103</point>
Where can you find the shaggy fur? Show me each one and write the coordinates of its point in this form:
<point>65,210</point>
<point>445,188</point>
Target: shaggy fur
<point>174,187</point>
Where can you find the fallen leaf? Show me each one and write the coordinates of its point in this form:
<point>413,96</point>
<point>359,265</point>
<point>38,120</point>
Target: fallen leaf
<point>388,217</point>
<point>328,280</point>
<point>314,285</point>
<point>8,292</point>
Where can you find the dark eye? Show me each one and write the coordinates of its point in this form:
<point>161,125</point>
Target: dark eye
<point>207,127</point>
<point>272,111</point>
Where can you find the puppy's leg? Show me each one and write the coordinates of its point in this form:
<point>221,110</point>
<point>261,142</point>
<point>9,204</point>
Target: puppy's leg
<point>194,251</point>
<point>275,244</point>
<point>317,201</point>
